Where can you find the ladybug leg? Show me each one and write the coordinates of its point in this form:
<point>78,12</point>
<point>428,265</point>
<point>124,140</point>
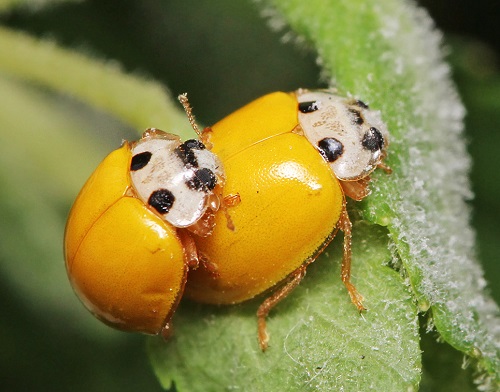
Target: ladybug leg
<point>228,202</point>
<point>205,225</point>
<point>356,190</point>
<point>209,266</point>
<point>385,168</point>
<point>232,200</point>
<point>190,252</point>
<point>346,226</point>
<point>382,165</point>
<point>272,301</point>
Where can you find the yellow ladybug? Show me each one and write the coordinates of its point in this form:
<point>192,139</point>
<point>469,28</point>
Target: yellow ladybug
<point>291,158</point>
<point>128,241</point>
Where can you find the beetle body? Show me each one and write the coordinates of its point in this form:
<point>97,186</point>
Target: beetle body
<point>291,158</point>
<point>126,251</point>
<point>290,204</point>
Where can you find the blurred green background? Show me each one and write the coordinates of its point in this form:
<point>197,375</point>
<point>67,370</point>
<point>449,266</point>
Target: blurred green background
<point>224,55</point>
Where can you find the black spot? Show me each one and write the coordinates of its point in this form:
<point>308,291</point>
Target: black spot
<point>373,140</point>
<point>186,154</point>
<point>308,107</point>
<point>161,200</point>
<point>204,180</point>
<point>140,160</point>
<point>361,104</point>
<point>358,119</point>
<point>193,144</point>
<point>330,148</point>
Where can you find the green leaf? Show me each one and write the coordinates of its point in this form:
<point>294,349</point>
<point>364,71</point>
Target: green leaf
<point>319,341</point>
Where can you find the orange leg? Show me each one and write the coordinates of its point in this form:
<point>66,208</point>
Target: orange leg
<point>209,266</point>
<point>190,251</point>
<point>385,168</point>
<point>346,226</point>
<point>356,190</point>
<point>272,301</point>
<point>228,202</point>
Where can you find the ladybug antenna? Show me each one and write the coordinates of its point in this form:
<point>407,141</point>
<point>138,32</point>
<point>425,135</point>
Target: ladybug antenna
<point>183,99</point>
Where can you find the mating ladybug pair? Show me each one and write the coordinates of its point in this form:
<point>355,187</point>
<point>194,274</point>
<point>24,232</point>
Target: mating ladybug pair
<point>243,209</point>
